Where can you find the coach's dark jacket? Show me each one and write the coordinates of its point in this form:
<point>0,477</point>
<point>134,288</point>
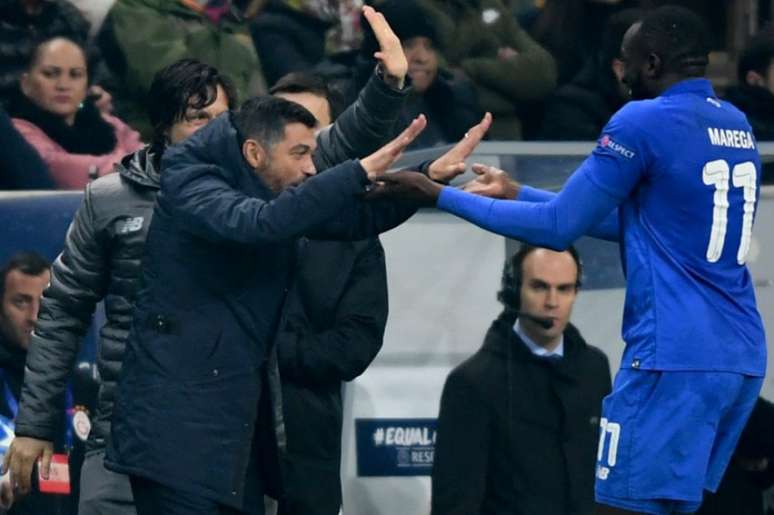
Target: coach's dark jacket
<point>217,264</point>
<point>517,434</point>
<point>333,329</point>
<point>101,260</point>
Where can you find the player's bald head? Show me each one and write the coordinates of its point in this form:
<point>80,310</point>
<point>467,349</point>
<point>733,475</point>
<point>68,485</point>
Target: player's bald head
<point>676,35</point>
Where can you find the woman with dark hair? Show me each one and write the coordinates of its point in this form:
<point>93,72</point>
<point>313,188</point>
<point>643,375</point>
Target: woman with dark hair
<point>54,115</point>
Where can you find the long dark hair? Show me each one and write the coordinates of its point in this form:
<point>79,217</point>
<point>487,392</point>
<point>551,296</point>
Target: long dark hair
<point>184,84</point>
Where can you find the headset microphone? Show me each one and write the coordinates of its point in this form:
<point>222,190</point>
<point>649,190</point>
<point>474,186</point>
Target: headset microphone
<point>545,323</point>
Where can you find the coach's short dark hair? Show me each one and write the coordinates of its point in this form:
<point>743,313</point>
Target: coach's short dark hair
<point>264,119</point>
<point>185,84</point>
<point>305,82</point>
<point>28,263</point>
<point>513,273</point>
<point>678,36</point>
<point>758,54</point>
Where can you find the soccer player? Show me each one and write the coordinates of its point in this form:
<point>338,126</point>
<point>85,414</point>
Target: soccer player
<point>679,170</point>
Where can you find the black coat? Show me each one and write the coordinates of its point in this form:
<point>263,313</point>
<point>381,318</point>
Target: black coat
<point>579,110</point>
<point>757,104</point>
<point>21,167</point>
<point>517,434</point>
<point>451,106</point>
<point>334,326</point>
<point>287,40</point>
<point>218,263</point>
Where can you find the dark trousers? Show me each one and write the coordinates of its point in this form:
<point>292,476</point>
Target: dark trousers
<point>103,491</point>
<point>151,498</point>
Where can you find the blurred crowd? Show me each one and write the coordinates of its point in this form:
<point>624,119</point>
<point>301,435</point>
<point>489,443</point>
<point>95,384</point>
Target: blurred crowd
<point>75,75</point>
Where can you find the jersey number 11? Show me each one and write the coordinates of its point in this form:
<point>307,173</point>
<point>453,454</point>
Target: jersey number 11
<point>716,173</point>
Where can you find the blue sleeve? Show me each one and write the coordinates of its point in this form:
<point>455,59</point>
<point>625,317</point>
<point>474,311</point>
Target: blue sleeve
<point>607,177</point>
<point>608,229</point>
<point>555,224</point>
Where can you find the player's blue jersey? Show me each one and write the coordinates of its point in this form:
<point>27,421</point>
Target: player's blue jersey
<point>688,180</point>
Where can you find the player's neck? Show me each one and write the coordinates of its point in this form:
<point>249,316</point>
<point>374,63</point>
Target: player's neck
<point>670,79</point>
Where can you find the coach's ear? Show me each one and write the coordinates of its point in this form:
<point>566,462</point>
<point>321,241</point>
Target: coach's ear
<point>254,154</point>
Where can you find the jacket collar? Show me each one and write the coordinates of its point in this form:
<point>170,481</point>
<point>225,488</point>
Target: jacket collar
<point>139,168</point>
<point>502,341</point>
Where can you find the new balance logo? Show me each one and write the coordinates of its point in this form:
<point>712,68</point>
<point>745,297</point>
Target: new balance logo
<point>130,225</point>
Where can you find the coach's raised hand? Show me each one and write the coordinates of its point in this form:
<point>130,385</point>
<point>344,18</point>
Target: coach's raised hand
<point>380,161</point>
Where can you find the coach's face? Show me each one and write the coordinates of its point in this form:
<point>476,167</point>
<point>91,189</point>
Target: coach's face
<point>637,67</point>
<point>288,162</point>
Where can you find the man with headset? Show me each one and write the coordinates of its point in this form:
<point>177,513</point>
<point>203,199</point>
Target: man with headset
<point>521,415</point>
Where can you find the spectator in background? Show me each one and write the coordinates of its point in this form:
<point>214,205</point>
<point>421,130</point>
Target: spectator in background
<point>754,94</point>
<point>24,23</point>
<point>140,37</point>
<point>509,69</point>
<point>312,91</point>
<point>579,110</point>
<point>296,35</point>
<point>572,30</point>
<point>53,113</point>
<point>20,165</point>
<point>519,420</point>
<point>22,281</point>
<point>101,261</point>
<point>449,100</point>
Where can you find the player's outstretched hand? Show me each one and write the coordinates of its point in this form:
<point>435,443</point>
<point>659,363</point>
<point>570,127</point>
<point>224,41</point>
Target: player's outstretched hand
<point>381,160</point>
<point>390,54</point>
<point>452,163</point>
<point>406,185</point>
<point>492,182</point>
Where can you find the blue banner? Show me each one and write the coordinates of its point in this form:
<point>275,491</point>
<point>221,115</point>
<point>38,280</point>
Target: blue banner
<point>395,446</point>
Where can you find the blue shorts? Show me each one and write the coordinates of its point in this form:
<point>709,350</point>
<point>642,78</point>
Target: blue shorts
<point>668,436</point>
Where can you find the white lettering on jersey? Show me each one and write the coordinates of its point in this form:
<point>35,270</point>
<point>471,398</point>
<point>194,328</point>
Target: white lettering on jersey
<point>730,138</point>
